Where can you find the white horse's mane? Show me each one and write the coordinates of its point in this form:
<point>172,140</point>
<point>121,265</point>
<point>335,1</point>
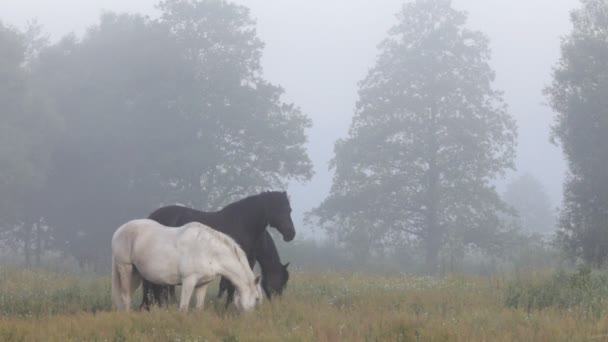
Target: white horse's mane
<point>236,248</point>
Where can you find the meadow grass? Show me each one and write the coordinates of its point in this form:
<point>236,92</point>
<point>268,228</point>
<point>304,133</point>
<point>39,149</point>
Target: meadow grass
<point>43,306</point>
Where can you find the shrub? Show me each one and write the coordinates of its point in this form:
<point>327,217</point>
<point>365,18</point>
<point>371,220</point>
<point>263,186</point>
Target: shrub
<point>583,289</point>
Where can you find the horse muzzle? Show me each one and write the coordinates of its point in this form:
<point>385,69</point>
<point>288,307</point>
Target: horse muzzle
<point>289,236</point>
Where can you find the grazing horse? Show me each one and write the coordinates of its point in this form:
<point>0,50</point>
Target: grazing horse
<point>274,274</point>
<point>192,256</point>
<point>245,221</point>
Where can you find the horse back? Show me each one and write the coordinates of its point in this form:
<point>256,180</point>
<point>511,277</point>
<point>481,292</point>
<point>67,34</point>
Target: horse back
<point>169,216</point>
<point>177,216</point>
<point>225,221</point>
<point>127,235</point>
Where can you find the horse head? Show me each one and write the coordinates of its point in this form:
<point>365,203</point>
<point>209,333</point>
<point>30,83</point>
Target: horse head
<point>251,296</point>
<point>278,213</point>
<point>276,282</point>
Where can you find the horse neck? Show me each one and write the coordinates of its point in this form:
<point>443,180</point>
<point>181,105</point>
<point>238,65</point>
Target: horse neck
<point>268,256</point>
<point>250,210</point>
<point>237,271</point>
<point>268,265</point>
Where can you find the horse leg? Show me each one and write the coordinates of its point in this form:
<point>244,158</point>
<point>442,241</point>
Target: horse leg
<point>157,294</point>
<point>166,294</point>
<point>187,287</point>
<point>116,287</point>
<point>201,292</point>
<point>172,293</point>
<point>147,293</point>
<point>125,272</point>
<point>223,286</point>
<point>230,298</point>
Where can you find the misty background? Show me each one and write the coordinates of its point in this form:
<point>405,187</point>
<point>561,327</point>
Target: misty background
<point>464,184</point>
<point>318,51</point>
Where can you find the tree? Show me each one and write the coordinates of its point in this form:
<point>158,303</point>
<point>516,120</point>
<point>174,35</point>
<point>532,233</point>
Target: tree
<point>578,95</point>
<point>428,137</point>
<point>14,158</point>
<point>259,139</point>
<point>27,129</point>
<point>164,111</point>
<point>528,197</point>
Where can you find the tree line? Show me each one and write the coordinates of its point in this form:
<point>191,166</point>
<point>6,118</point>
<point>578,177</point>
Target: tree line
<point>137,113</point>
<point>140,112</point>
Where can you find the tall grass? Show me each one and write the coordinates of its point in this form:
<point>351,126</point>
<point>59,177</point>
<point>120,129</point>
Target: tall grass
<point>43,306</point>
<point>583,290</point>
<point>26,293</point>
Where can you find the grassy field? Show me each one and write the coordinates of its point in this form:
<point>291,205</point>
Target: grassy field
<point>42,306</point>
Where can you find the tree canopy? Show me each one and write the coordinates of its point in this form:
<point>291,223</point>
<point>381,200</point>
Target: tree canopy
<point>159,111</point>
<point>428,137</point>
<point>578,95</point>
<point>535,214</point>
<point>27,126</point>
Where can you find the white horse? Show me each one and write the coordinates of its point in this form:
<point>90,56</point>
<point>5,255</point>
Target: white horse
<point>191,256</point>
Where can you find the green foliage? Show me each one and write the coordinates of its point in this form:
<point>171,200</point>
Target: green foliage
<point>159,112</point>
<point>428,136</point>
<point>528,197</point>
<point>578,95</point>
<point>27,125</point>
<point>583,290</point>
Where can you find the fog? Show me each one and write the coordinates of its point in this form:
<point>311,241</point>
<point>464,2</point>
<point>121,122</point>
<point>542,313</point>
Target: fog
<point>320,51</point>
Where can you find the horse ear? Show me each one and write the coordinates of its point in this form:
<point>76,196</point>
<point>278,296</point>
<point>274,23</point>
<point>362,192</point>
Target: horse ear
<point>257,279</point>
<point>285,266</point>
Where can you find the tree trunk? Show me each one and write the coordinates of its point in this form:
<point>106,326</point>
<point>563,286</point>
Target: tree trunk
<point>38,244</point>
<point>434,233</point>
<point>26,244</point>
<point>433,244</point>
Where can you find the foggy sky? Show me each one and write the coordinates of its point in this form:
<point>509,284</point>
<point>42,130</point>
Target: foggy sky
<point>318,51</point>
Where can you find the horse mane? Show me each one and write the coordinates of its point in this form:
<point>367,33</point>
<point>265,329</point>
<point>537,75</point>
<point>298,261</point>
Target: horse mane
<point>236,249</point>
<point>241,202</point>
<point>245,201</point>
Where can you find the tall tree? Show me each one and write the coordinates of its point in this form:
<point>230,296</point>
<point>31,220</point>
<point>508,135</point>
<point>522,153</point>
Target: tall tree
<point>15,157</point>
<point>164,111</point>
<point>28,127</point>
<point>527,195</point>
<point>578,95</point>
<point>428,137</point>
<point>258,139</point>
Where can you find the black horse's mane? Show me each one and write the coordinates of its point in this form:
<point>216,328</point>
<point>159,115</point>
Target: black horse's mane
<point>246,202</point>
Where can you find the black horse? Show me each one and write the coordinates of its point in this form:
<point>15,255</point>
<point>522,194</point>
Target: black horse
<point>274,274</point>
<point>245,221</point>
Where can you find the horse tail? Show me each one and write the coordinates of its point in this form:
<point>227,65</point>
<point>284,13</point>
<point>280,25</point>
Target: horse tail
<point>116,299</point>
